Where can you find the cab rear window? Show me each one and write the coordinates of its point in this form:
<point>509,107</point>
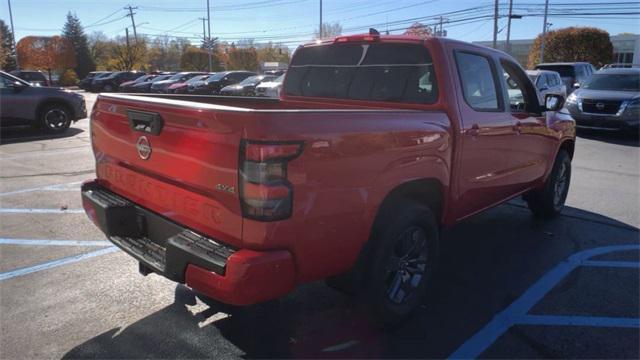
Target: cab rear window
<point>363,71</point>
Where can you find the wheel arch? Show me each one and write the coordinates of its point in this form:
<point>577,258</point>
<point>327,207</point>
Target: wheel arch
<point>426,191</point>
<point>569,146</point>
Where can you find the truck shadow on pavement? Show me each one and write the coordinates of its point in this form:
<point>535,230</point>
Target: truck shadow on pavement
<point>617,138</point>
<point>14,135</point>
<point>486,263</point>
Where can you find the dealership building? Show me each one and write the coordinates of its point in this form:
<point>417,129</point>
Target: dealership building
<point>626,48</point>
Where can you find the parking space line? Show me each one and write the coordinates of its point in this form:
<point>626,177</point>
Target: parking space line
<point>620,264</point>
<point>38,242</point>
<point>55,263</point>
<point>509,317</point>
<point>56,187</point>
<point>555,320</point>
<point>41,211</point>
<point>39,154</point>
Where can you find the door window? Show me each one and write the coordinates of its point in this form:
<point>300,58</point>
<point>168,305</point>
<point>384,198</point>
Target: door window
<point>542,81</point>
<point>478,80</point>
<point>522,96</point>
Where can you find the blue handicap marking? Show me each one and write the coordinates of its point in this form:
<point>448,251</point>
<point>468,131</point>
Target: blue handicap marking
<point>516,313</point>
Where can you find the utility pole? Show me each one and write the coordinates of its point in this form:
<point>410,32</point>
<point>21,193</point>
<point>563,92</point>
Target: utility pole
<point>13,34</point>
<point>495,25</point>
<point>508,45</point>
<point>209,37</point>
<point>544,30</point>
<point>320,30</point>
<point>133,23</point>
<point>204,32</point>
<point>441,31</point>
<point>128,49</point>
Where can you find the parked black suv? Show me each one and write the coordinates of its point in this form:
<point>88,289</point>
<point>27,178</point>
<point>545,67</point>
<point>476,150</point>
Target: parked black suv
<point>609,100</point>
<point>573,74</point>
<point>85,83</point>
<point>215,82</point>
<point>113,81</point>
<point>35,78</point>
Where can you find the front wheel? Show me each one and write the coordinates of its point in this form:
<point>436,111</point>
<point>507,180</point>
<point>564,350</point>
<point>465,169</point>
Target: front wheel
<point>55,119</point>
<point>404,258</point>
<point>548,201</point>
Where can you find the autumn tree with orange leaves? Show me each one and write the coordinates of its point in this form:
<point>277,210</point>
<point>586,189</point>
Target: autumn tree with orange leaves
<point>419,29</point>
<point>53,53</point>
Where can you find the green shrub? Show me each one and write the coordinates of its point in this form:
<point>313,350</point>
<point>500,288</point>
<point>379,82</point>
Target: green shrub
<point>69,78</point>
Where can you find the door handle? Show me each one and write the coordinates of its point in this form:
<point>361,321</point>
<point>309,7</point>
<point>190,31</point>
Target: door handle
<point>144,121</point>
<point>474,131</point>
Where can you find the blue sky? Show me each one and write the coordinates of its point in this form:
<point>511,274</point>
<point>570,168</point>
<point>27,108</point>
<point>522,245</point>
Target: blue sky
<point>294,21</point>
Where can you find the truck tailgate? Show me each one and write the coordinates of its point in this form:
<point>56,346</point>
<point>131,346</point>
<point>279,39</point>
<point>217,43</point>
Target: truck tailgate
<point>179,162</point>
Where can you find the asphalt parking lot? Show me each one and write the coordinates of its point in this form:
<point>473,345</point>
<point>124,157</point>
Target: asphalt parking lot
<point>508,286</point>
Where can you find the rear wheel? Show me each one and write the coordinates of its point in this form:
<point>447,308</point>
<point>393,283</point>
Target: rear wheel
<point>107,88</point>
<point>404,258</point>
<point>548,201</point>
<point>55,118</point>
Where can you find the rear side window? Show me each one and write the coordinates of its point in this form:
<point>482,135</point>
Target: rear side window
<point>478,81</point>
<point>563,70</point>
<point>377,72</point>
<point>31,76</point>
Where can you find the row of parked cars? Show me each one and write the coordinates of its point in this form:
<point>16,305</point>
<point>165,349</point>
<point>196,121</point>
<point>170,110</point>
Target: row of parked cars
<point>605,99</point>
<point>233,83</point>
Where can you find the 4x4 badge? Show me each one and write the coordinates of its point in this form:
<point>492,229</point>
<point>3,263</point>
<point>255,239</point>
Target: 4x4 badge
<point>144,147</point>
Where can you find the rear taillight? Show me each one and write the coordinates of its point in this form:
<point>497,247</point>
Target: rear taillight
<point>265,192</point>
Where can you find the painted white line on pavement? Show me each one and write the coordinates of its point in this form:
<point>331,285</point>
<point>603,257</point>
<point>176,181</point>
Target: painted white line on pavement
<point>42,153</point>
<point>58,187</point>
<point>38,242</point>
<point>55,263</point>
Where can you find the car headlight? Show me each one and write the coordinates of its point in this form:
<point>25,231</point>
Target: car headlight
<point>572,99</point>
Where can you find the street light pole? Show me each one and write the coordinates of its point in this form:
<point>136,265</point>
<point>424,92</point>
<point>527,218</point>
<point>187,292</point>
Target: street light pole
<point>495,25</point>
<point>320,30</point>
<point>209,36</point>
<point>544,30</point>
<point>13,34</point>
<point>508,47</point>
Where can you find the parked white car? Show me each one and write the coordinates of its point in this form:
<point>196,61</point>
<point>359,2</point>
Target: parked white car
<point>547,82</point>
<point>270,88</point>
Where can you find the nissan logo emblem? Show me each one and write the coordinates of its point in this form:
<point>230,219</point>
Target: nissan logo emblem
<point>600,106</point>
<point>144,147</point>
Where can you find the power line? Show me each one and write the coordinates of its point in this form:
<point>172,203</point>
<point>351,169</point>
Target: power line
<point>104,18</point>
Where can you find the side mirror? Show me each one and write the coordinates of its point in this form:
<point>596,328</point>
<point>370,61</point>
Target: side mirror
<point>18,86</point>
<point>553,102</point>
<point>576,85</point>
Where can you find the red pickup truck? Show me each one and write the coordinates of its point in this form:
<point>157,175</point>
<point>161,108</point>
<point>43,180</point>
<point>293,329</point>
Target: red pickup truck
<point>375,144</point>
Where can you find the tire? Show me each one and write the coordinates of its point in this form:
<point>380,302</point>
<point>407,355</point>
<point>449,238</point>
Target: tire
<point>548,201</point>
<point>55,119</point>
<point>403,259</point>
<point>107,88</point>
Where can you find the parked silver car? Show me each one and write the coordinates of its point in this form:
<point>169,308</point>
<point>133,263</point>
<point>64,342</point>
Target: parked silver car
<point>547,82</point>
<point>609,100</point>
<point>53,109</point>
<point>573,74</point>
